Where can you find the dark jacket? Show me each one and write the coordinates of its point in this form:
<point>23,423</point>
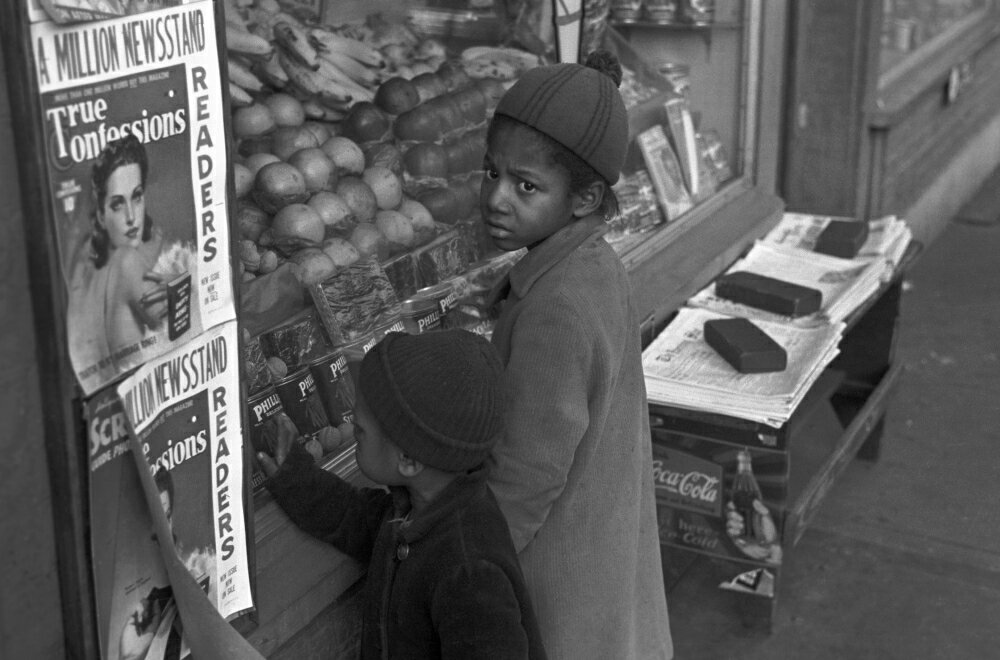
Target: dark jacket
<point>445,585</point>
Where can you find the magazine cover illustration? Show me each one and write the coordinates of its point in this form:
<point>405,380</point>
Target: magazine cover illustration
<point>130,582</point>
<point>184,408</point>
<point>133,122</point>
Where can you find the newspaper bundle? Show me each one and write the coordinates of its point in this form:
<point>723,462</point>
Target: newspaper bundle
<point>844,283</point>
<point>682,370</point>
<point>184,409</point>
<point>133,114</point>
<point>888,237</point>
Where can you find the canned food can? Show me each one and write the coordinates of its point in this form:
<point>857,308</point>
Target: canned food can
<point>301,402</point>
<point>335,387</point>
<point>698,12</point>
<point>263,409</point>
<point>903,34</point>
<point>425,310</point>
<point>395,324</point>
<point>626,10</point>
<point>355,351</point>
<point>661,11</point>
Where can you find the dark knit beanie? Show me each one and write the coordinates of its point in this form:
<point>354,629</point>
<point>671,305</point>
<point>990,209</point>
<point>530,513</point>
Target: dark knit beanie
<point>436,395</point>
<point>578,107</point>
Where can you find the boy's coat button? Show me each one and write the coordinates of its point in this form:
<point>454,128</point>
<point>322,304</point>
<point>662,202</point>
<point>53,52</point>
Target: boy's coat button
<point>402,551</point>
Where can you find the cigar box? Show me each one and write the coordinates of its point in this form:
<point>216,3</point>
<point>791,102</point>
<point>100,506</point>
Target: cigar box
<point>842,238</point>
<point>745,346</point>
<point>768,293</point>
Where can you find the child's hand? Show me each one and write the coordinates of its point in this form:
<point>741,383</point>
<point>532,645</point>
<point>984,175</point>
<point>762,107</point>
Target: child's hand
<point>287,434</point>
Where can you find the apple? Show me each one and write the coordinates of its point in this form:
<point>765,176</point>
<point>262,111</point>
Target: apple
<point>429,85</point>
<point>359,197</point>
<point>471,103</point>
<point>318,169</point>
<point>383,154</point>
<point>289,139</point>
<point>386,185</point>
<point>426,159</point>
<point>365,122</point>
<point>345,154</point>
<point>341,251</point>
<point>337,216</point>
<point>396,228</point>
<point>396,95</point>
<point>422,123</point>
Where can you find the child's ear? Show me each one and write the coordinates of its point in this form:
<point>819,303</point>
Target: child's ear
<point>587,201</point>
<point>407,466</point>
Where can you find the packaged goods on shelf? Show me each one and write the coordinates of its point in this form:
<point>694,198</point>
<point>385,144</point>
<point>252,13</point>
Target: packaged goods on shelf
<point>665,172</point>
<point>355,301</point>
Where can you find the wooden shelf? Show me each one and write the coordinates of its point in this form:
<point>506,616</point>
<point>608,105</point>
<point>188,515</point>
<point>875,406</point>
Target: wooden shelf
<point>676,27</point>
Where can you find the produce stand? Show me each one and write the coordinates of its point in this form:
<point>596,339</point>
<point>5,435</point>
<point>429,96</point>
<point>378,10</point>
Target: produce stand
<point>305,594</point>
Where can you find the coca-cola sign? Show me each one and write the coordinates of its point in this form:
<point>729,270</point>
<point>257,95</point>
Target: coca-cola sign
<point>687,482</point>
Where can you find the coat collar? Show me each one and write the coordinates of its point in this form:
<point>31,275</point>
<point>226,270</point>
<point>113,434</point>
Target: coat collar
<point>541,258</point>
<point>464,489</point>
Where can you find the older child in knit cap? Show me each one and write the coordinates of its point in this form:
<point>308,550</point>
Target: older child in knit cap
<point>443,578</point>
<point>573,471</point>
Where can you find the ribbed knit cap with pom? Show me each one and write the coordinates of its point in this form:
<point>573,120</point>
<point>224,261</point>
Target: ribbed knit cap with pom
<point>436,395</point>
<point>578,107</point>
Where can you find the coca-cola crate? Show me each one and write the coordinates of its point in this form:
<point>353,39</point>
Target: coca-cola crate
<point>707,504</point>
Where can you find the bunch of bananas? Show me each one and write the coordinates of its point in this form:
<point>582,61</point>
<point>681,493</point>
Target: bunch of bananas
<point>271,50</point>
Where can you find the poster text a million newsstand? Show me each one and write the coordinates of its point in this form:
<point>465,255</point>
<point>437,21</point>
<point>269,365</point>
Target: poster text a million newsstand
<point>137,286</point>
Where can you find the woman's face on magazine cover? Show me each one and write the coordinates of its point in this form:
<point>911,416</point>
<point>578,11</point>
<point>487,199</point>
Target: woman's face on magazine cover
<point>124,207</point>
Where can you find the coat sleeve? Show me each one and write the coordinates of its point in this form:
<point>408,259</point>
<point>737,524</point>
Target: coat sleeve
<point>324,505</point>
<point>547,382</point>
<point>476,614</point>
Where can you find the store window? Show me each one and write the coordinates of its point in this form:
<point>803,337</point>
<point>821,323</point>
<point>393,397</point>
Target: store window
<point>404,126</point>
<point>689,75</point>
<point>913,31</point>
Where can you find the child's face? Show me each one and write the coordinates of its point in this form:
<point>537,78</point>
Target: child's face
<point>377,457</point>
<point>525,196</point>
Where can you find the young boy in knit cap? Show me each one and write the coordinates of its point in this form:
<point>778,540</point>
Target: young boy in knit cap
<point>443,579</point>
<point>573,470</point>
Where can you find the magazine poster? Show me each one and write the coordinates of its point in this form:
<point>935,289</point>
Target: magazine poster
<point>184,411</point>
<point>135,149</point>
<point>130,581</point>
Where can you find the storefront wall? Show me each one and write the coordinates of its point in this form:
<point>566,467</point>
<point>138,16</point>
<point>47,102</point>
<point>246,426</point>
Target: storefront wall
<point>31,623</point>
<point>916,142</point>
<point>931,155</point>
<point>45,609</point>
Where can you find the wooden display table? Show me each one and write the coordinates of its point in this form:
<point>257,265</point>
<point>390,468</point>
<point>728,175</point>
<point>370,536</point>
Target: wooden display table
<point>696,455</point>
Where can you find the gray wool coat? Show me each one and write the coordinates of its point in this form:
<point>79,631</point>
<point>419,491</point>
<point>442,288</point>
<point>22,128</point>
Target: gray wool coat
<point>573,472</point>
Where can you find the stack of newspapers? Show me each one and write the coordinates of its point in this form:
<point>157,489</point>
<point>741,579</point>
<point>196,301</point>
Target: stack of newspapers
<point>786,254</point>
<point>844,283</point>
<point>682,370</point>
<point>887,240</point>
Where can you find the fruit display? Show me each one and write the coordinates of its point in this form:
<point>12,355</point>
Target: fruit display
<point>353,142</point>
<point>357,161</point>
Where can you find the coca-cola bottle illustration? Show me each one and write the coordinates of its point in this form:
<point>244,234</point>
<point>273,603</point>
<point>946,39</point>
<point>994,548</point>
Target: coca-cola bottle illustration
<point>744,492</point>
